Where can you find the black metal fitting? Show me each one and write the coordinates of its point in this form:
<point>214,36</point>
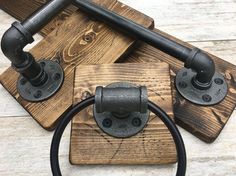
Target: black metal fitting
<point>17,37</point>
<point>121,109</point>
<point>198,82</point>
<point>203,65</point>
<point>126,99</point>
<point>13,42</point>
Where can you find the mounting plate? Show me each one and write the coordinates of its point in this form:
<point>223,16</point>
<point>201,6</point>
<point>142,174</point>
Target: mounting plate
<point>121,127</point>
<point>211,96</point>
<point>36,94</point>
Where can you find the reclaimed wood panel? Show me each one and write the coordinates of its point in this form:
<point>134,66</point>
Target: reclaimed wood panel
<point>154,145</point>
<point>79,40</point>
<point>204,122</point>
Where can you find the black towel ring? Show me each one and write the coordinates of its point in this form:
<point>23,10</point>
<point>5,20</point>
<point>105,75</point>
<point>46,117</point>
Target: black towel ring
<point>181,153</point>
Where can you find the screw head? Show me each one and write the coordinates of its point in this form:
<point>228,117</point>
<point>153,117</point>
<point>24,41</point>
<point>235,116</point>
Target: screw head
<point>219,81</point>
<point>136,122</point>
<point>207,98</point>
<point>23,81</point>
<point>87,38</point>
<point>38,94</point>
<point>183,84</point>
<point>42,64</point>
<point>107,123</point>
<point>56,76</point>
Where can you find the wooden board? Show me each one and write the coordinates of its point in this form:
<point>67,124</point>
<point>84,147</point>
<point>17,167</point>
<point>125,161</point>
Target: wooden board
<point>154,145</point>
<point>79,40</point>
<point>205,123</point>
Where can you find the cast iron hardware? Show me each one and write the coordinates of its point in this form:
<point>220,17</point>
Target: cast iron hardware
<point>209,95</point>
<point>180,148</point>
<point>54,80</point>
<point>198,79</point>
<point>37,81</point>
<point>121,109</point>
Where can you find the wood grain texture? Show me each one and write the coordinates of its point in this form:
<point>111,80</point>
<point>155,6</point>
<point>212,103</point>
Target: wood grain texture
<point>204,122</point>
<point>154,145</point>
<point>79,40</point>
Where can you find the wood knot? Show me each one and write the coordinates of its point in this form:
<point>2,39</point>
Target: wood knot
<point>228,75</point>
<point>89,37</point>
<point>63,16</point>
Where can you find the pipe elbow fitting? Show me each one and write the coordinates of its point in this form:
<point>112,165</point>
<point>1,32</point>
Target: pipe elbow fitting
<point>203,65</point>
<point>13,42</point>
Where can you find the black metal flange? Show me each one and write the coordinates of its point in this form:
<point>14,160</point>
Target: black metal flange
<point>210,94</point>
<point>121,109</point>
<point>54,79</point>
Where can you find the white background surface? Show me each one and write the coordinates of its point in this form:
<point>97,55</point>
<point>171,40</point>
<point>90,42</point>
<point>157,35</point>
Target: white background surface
<point>208,24</point>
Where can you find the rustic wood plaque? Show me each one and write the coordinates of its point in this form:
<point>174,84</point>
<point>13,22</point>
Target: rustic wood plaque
<point>154,145</point>
<point>78,40</point>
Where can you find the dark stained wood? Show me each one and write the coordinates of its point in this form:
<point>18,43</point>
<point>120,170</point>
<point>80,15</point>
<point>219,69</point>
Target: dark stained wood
<point>204,122</point>
<point>154,145</point>
<point>79,40</point>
